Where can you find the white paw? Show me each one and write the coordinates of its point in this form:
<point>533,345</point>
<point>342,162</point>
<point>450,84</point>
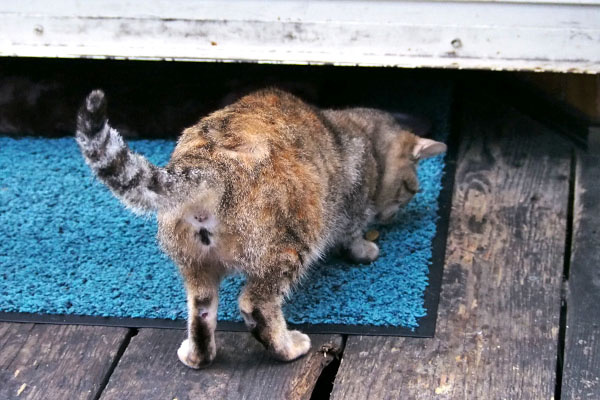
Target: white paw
<point>186,356</point>
<point>296,345</point>
<point>363,251</point>
<point>301,343</point>
<point>191,358</point>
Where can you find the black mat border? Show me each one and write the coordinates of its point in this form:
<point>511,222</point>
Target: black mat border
<point>427,324</point>
<point>227,326</point>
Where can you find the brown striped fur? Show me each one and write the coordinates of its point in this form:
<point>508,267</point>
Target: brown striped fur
<point>264,187</point>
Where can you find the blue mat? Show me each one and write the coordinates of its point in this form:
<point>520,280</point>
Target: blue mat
<point>69,247</point>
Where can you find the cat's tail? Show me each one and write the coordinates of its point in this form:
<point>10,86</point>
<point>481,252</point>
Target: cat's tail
<point>135,181</point>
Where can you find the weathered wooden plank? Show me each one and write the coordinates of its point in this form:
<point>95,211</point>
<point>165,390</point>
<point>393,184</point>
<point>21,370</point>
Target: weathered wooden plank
<point>581,371</point>
<point>56,361</point>
<point>149,369</point>
<point>499,310</point>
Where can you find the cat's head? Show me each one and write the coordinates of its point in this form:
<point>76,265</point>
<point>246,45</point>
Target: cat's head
<point>399,182</point>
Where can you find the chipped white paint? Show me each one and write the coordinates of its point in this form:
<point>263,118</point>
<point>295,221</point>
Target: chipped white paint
<point>550,35</point>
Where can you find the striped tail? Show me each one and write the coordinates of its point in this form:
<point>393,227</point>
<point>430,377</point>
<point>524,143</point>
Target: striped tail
<point>135,181</point>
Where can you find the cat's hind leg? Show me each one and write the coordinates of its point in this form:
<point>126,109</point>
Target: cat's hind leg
<point>199,349</point>
<point>260,304</point>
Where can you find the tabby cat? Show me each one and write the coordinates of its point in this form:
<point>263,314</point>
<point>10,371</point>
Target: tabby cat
<point>265,187</point>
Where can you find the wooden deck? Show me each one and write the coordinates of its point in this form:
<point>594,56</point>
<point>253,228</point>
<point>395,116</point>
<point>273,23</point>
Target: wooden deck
<point>518,318</point>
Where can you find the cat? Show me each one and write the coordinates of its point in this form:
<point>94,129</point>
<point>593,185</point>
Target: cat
<point>265,187</point>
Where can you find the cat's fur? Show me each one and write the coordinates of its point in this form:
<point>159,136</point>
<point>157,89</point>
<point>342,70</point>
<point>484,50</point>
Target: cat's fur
<point>264,187</point>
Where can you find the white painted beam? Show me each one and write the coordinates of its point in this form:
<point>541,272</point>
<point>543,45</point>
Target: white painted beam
<point>525,35</point>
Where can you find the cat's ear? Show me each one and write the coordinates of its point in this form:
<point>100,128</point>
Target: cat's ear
<point>425,148</point>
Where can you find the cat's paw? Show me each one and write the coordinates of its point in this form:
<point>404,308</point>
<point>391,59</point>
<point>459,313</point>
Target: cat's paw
<point>191,358</point>
<point>296,344</point>
<point>363,251</point>
<point>301,343</point>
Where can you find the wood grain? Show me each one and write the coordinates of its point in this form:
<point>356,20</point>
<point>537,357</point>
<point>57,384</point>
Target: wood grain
<point>499,310</point>
<point>149,369</point>
<point>581,372</point>
<point>55,361</point>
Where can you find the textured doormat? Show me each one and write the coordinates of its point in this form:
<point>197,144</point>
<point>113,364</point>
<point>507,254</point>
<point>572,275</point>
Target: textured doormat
<point>71,253</point>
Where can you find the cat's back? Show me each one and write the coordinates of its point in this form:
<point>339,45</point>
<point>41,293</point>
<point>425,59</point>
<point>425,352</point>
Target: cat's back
<point>260,127</point>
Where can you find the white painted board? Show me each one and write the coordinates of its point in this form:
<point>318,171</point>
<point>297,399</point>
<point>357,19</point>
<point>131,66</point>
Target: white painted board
<point>498,35</point>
